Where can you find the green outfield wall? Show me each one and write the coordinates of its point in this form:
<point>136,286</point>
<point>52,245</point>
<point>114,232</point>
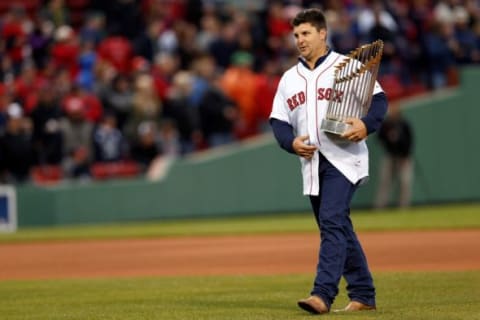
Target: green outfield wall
<point>257,177</point>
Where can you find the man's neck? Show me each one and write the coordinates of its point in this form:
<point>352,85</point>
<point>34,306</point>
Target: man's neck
<point>314,62</point>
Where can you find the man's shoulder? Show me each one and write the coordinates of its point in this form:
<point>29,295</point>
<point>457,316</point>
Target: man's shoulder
<point>337,57</point>
<point>288,75</point>
<point>291,70</point>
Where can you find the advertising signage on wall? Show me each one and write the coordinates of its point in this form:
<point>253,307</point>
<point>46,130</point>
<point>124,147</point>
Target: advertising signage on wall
<point>8,209</point>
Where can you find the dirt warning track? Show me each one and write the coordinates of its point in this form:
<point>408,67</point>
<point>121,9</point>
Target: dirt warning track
<point>446,250</point>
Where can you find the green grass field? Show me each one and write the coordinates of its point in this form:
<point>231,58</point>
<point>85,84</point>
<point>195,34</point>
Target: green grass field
<point>422,296</point>
<point>409,295</point>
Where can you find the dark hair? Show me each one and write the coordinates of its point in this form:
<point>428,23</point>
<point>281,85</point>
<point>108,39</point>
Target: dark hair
<point>313,16</point>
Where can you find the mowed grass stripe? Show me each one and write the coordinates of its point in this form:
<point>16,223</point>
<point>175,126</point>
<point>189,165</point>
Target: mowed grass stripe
<point>418,218</point>
<point>422,296</point>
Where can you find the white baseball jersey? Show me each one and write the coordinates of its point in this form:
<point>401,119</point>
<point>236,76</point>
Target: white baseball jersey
<point>301,100</point>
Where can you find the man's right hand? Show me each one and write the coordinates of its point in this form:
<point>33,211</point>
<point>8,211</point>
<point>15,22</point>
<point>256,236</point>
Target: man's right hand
<point>302,149</point>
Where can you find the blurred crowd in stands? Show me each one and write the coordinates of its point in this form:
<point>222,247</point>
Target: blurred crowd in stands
<point>98,89</point>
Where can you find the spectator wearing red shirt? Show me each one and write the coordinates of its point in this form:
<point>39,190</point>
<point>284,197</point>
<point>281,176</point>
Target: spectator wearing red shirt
<point>118,51</point>
<point>27,87</point>
<point>14,37</point>
<point>267,82</point>
<point>277,22</point>
<point>164,68</point>
<point>90,105</point>
<point>65,51</point>
<point>163,10</point>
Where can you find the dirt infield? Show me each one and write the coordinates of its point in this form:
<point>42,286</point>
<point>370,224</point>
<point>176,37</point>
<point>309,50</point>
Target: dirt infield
<point>229,255</point>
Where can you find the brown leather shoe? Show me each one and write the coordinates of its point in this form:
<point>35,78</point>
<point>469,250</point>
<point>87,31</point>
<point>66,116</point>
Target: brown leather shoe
<point>313,304</point>
<point>358,306</point>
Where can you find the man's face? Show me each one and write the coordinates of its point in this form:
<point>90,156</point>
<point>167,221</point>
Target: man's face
<point>310,42</point>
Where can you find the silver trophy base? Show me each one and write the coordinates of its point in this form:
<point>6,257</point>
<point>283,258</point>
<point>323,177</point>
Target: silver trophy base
<point>334,126</point>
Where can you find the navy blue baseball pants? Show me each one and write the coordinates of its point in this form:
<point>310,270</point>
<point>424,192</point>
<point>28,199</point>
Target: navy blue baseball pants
<point>341,253</point>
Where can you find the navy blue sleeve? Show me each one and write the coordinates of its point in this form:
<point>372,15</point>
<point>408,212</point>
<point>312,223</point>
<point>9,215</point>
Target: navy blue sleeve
<point>283,132</point>
<point>378,108</point>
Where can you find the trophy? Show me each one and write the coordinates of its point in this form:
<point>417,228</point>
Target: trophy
<point>353,87</point>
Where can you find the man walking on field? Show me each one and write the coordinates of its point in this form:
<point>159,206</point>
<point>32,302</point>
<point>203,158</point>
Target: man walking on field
<point>332,167</point>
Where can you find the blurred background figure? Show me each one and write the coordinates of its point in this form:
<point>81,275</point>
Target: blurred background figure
<point>16,147</point>
<point>266,86</point>
<point>169,139</point>
<point>396,137</point>
<point>146,148</point>
<point>218,115</point>
<point>108,141</point>
<point>57,12</point>
<point>117,99</point>
<point>47,136</point>
<point>239,83</point>
<point>77,131</point>
<point>146,104</point>
<point>180,109</point>
<point>65,51</point>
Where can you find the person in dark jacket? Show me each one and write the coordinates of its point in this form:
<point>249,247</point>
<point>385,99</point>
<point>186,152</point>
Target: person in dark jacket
<point>396,137</point>
<point>16,147</point>
<point>217,117</point>
<point>47,136</point>
<point>145,148</point>
<point>179,109</point>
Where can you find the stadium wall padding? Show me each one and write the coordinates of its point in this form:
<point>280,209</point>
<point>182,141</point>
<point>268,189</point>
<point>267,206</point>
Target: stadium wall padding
<point>257,177</point>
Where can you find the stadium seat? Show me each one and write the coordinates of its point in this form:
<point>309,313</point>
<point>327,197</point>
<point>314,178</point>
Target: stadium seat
<point>78,11</point>
<point>392,86</point>
<point>415,89</point>
<point>47,174</point>
<point>77,4</point>
<point>30,6</point>
<point>109,170</point>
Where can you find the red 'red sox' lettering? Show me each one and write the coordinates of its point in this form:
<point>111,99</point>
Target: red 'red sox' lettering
<point>296,100</point>
<point>323,94</point>
<point>329,94</point>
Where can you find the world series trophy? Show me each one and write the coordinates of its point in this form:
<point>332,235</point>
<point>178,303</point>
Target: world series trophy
<point>353,87</point>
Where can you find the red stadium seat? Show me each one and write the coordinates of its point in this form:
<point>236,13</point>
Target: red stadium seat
<point>78,11</point>
<point>47,174</point>
<point>30,6</point>
<point>415,89</point>
<point>77,4</point>
<point>124,169</point>
<point>392,86</point>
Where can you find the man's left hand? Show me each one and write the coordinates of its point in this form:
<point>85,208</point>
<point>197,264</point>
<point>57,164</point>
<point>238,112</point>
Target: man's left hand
<point>357,131</point>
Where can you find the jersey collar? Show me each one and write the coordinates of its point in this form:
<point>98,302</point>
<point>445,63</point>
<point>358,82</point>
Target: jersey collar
<point>318,62</point>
